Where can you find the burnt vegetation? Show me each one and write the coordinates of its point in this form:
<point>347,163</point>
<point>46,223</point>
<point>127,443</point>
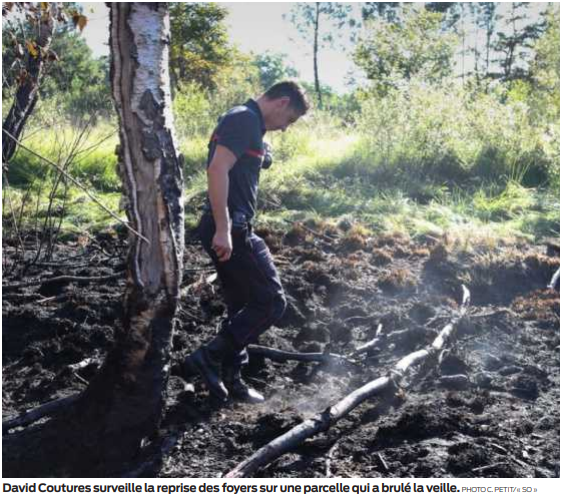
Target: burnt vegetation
<point>487,407</point>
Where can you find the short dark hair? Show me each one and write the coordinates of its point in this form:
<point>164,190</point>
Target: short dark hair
<point>293,90</point>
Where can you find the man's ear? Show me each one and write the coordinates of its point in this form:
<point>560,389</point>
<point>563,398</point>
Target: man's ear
<point>283,102</point>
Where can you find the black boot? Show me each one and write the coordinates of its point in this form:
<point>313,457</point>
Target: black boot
<point>238,389</point>
<point>208,362</point>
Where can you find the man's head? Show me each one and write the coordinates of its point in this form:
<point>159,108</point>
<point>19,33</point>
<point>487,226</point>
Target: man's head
<point>282,105</point>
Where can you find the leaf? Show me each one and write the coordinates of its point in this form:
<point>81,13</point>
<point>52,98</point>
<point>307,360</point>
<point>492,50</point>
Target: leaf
<point>44,5</point>
<point>82,20</point>
<point>19,51</point>
<point>32,48</point>
<point>79,21</point>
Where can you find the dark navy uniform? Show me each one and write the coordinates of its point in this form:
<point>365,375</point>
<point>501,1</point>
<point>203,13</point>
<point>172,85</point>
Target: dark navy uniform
<point>252,287</point>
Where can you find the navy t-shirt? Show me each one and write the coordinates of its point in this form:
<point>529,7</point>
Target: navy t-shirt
<point>241,130</point>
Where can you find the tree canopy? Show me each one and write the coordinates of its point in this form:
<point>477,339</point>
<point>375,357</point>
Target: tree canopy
<point>200,46</point>
<point>415,47</point>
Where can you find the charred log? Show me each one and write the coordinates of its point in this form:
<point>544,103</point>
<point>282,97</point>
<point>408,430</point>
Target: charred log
<point>324,420</point>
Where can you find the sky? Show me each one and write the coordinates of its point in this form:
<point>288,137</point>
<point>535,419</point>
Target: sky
<point>253,26</point>
<point>259,27</point>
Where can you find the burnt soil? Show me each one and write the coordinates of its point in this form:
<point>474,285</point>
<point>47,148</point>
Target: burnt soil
<point>489,408</point>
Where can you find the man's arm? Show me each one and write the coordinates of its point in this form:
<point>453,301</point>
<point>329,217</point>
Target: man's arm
<point>218,187</point>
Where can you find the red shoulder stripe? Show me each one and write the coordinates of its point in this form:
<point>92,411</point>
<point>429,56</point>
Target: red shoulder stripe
<point>255,153</point>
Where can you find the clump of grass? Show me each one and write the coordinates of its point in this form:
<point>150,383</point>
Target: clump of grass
<point>296,235</point>
<point>439,253</point>
<point>356,238</point>
<point>381,257</point>
<point>398,279</point>
<point>489,205</point>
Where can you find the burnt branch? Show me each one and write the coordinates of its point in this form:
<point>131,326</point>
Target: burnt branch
<point>324,420</point>
<point>48,409</point>
<point>283,356</point>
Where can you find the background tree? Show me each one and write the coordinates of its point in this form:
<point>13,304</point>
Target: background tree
<point>516,41</point>
<point>319,23</point>
<point>416,47</point>
<point>78,80</point>
<point>34,52</point>
<point>384,10</point>
<point>272,68</point>
<point>487,19</point>
<point>544,70</point>
<point>200,45</point>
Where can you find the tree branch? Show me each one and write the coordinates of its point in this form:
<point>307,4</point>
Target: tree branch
<point>283,356</point>
<point>48,409</point>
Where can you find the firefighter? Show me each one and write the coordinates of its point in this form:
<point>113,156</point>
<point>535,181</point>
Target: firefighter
<point>251,286</point>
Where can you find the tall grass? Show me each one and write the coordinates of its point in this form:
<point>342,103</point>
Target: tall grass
<point>420,160</point>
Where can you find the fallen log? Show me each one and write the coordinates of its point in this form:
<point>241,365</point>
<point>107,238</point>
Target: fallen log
<point>324,420</point>
<point>283,356</point>
<point>368,346</point>
<point>83,364</point>
<point>48,409</point>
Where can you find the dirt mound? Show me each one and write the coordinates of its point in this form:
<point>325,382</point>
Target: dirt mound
<point>489,408</point>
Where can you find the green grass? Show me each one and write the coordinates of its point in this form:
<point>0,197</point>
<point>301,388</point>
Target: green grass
<point>323,171</point>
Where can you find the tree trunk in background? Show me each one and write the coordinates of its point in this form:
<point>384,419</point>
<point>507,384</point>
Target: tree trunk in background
<point>316,43</point>
<point>28,86</point>
<point>124,403</point>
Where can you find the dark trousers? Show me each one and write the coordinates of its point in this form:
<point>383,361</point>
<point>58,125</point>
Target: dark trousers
<point>251,285</point>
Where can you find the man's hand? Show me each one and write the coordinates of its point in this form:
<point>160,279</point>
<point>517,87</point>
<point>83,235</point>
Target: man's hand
<point>222,245</point>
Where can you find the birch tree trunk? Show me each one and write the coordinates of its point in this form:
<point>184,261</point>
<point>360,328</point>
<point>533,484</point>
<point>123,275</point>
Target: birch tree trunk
<point>101,431</point>
<point>124,403</point>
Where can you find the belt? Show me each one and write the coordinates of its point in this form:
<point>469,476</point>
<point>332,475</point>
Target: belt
<point>238,218</point>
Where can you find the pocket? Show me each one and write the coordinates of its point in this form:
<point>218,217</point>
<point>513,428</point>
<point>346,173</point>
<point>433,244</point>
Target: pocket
<point>240,237</point>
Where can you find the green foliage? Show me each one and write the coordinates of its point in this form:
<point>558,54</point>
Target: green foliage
<point>197,109</point>
<point>416,48</point>
<point>78,80</point>
<point>238,82</point>
<point>87,153</point>
<point>193,113</point>
<point>544,94</point>
<point>451,136</point>
<point>491,204</point>
<point>200,46</point>
<point>545,69</point>
<point>416,151</point>
<point>273,68</point>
